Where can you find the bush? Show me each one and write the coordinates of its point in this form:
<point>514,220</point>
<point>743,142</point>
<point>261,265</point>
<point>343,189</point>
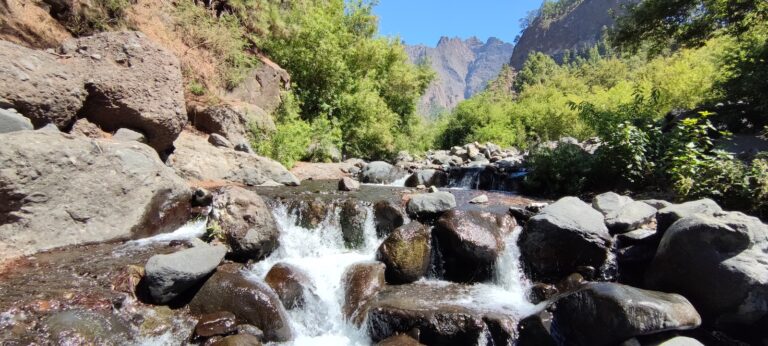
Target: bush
<point>564,170</point>
<point>289,142</point>
<point>101,15</point>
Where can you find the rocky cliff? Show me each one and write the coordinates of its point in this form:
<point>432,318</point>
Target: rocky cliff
<point>464,67</point>
<point>580,27</point>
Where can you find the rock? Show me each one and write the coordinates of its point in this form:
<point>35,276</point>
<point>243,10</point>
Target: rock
<point>361,282</point>
<point>11,121</point>
<point>427,177</point>
<point>430,203</point>
<point>348,184</point>
<point>657,203</point>
<point>470,243</point>
<point>216,323</point>
<point>380,172</point>
<point>247,222</point>
<point>127,135</point>
<point>88,129</point>
<point>638,236</point>
<point>609,202</point>
<point>352,221</point>
<point>404,156</point>
<point>218,140</point>
<point>521,214</point>
<point>472,151</point>
<point>290,283</point>
<point>253,302</point>
<point>406,253</point>
<point>442,314</point>
<point>323,152</point>
<point>231,121</point>
<point>387,217</point>
<point>195,159</point>
<point>679,341</point>
<point>311,213</point>
<point>667,216</point>
<point>433,189</point>
<point>718,262</point>
<point>399,340</point>
<point>238,340</point>
<point>58,190</point>
<point>608,313</point>
<point>244,148</point>
<point>263,87</point>
<point>72,327</point>
<point>565,235</point>
<point>629,217</point>
<point>482,199</point>
<point>250,330</point>
<point>168,276</point>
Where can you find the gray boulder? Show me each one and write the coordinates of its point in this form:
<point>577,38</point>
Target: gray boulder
<point>629,217</point>
<point>352,221</point>
<point>431,203</point>
<point>231,121</point>
<point>669,215</point>
<point>719,263</point>
<point>563,236</point>
<point>603,313</point>
<point>380,172</point>
<point>427,177</point>
<point>195,159</point>
<point>387,217</point>
<point>263,87</point>
<point>58,189</point>
<point>11,121</point>
<point>218,140</point>
<point>246,221</point>
<point>128,135</point>
<point>609,202</point>
<point>169,275</point>
<point>348,184</point>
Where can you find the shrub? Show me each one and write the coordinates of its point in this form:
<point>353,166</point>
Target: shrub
<point>289,142</point>
<point>564,170</point>
<point>196,88</point>
<point>101,15</point>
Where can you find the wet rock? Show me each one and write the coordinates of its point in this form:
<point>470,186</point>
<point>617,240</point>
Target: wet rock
<point>387,217</point>
<point>482,199</point>
<point>246,221</point>
<point>406,253</point>
<point>361,282</point>
<point>522,215</point>
<point>290,283</point>
<point>311,212</point>
<point>170,275</point>
<point>399,340</point>
<point>565,235</point>
<point>238,340</point>
<point>436,312</point>
<point>629,217</point>
<point>352,220</point>
<point>667,216</point>
<point>216,323</point>
<point>608,313</point>
<point>540,292</point>
<point>202,198</point>
<point>427,177</point>
<point>718,262</point>
<point>11,121</point>
<point>250,330</point>
<point>218,140</point>
<point>470,243</point>
<point>380,172</point>
<point>348,184</point>
<point>609,202</point>
<point>252,301</point>
<point>195,159</point>
<point>79,326</point>
<point>534,330</point>
<point>231,121</point>
<point>58,189</point>
<point>434,203</point>
<point>128,135</point>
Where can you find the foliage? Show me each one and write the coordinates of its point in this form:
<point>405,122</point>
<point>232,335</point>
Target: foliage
<point>214,232</point>
<point>564,170</point>
<point>196,88</point>
<point>101,15</point>
<point>289,142</point>
<point>325,139</point>
<point>626,157</point>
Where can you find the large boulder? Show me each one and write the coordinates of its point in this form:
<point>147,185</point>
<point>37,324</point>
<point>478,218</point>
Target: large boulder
<point>361,283</point>
<point>169,275</point>
<point>427,177</point>
<point>11,121</point>
<point>380,172</point>
<point>252,301</point>
<point>231,121</point>
<point>115,79</point>
<point>603,313</point>
<point>563,236</point>
<point>263,87</point>
<point>609,202</point>
<point>669,215</point>
<point>406,253</point>
<point>387,217</point>
<point>470,243</point>
<point>352,220</point>
<point>246,221</point>
<point>58,189</point>
<point>430,203</point>
<point>629,217</point>
<point>290,283</point>
<point>441,314</point>
<point>196,159</point>
<point>719,263</point>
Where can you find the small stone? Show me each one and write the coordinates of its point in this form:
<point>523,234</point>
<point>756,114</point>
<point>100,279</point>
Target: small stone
<point>218,140</point>
<point>482,199</point>
<point>217,323</point>
<point>433,189</point>
<point>348,184</point>
<point>127,135</point>
<point>431,203</point>
<point>11,121</point>
<point>243,147</point>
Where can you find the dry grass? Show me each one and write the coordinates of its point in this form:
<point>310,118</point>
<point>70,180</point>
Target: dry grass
<point>25,23</point>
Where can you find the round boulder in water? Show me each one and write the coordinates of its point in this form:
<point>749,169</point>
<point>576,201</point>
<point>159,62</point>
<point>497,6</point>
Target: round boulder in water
<point>217,323</point>
<point>427,177</point>
<point>604,313</point>
<point>430,204</point>
<point>387,217</point>
<point>252,301</point>
<point>380,172</point>
<point>290,283</point>
<point>246,221</point>
<point>470,242</point>
<point>167,276</point>
<point>406,253</point>
<point>564,236</point>
<point>352,221</point>
<point>361,282</point>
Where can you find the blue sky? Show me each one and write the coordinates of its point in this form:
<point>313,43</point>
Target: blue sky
<point>424,21</point>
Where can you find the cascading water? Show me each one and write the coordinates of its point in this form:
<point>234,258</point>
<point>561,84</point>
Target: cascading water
<point>321,253</point>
